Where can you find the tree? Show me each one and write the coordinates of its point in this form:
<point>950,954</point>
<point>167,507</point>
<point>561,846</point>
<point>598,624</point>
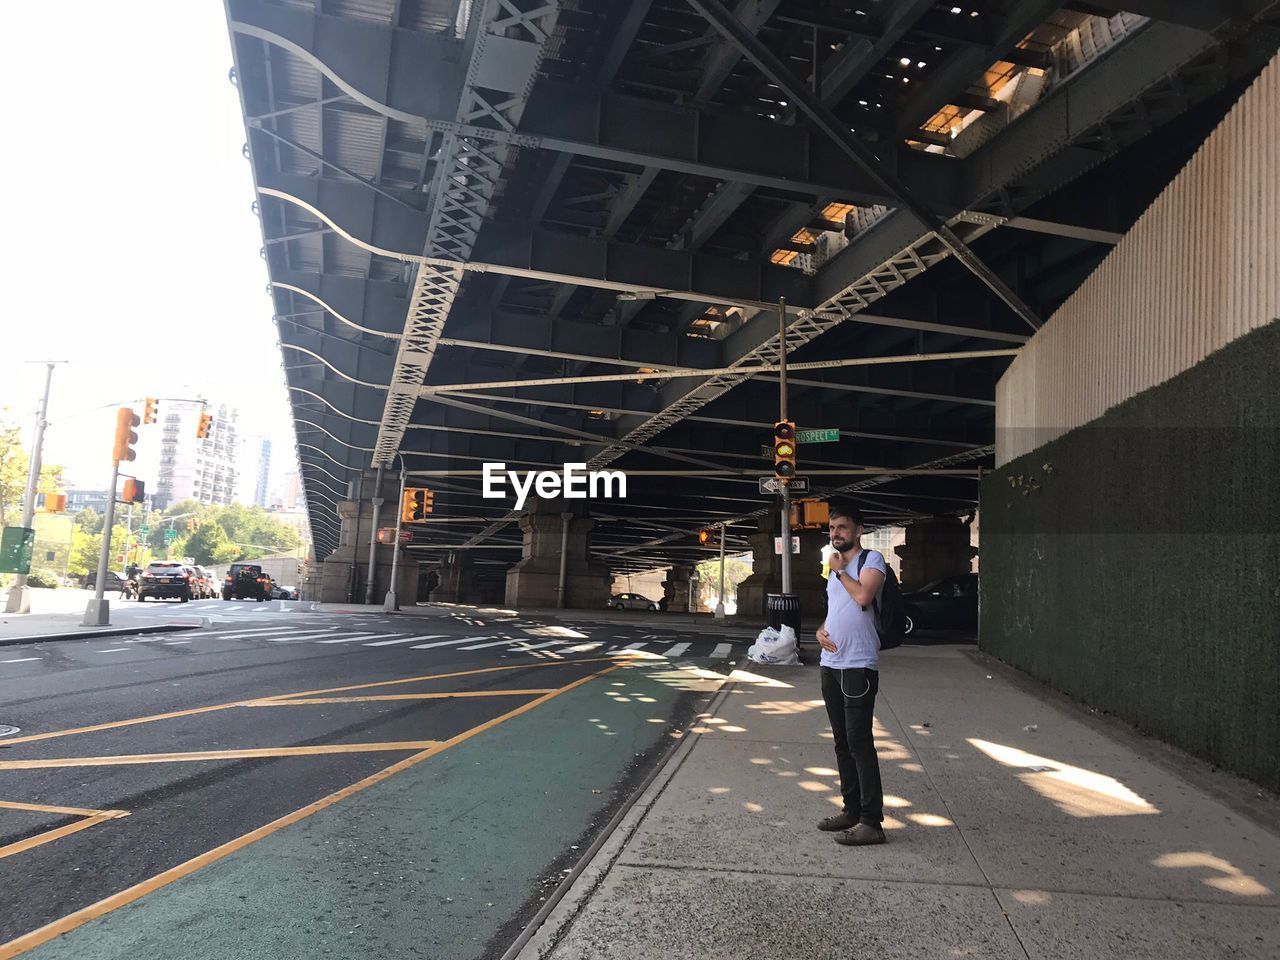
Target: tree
<point>13,469</point>
<point>209,546</point>
<point>89,520</point>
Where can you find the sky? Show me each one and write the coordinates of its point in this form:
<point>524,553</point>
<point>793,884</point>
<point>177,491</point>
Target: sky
<point>130,248</point>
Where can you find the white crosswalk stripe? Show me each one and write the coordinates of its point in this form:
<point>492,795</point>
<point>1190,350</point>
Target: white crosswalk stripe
<point>293,637</point>
<point>721,651</point>
<point>582,648</point>
<point>399,640</point>
<point>447,643</point>
<point>350,638</point>
<point>524,645</point>
<point>636,646</point>
<point>485,646</point>
<point>678,649</point>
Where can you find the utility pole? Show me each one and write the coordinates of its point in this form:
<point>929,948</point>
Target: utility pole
<point>20,594</point>
<point>97,612</point>
<point>373,540</point>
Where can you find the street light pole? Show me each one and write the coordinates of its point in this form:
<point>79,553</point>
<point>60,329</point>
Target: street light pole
<point>19,594</point>
<point>97,612</point>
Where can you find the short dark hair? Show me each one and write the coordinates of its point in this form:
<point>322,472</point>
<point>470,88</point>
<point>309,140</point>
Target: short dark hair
<point>843,508</point>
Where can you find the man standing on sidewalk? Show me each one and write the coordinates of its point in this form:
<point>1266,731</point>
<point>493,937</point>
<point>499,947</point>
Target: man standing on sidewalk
<point>850,655</point>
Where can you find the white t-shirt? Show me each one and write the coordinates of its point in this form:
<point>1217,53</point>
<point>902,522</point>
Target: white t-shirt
<point>852,628</point>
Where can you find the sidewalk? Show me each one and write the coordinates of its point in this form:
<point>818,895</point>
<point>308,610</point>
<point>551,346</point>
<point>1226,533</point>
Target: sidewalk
<point>1019,827</point>
<point>37,627</point>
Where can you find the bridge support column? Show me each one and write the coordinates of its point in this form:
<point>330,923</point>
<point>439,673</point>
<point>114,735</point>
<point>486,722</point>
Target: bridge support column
<point>935,547</point>
<point>462,581</point>
<point>337,585</point>
<point>677,589</point>
<point>766,574</point>
<point>534,581</point>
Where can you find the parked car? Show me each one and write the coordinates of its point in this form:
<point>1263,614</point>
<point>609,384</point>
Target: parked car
<point>208,585</point>
<point>168,578</point>
<point>631,601</point>
<point>947,604</point>
<point>114,581</point>
<point>246,581</point>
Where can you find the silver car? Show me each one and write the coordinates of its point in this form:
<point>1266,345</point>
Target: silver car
<point>631,601</point>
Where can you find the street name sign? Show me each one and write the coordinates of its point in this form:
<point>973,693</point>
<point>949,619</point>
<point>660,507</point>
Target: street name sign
<point>830,435</point>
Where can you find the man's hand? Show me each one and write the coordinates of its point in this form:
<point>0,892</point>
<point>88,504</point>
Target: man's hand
<point>837,561</point>
<point>825,641</point>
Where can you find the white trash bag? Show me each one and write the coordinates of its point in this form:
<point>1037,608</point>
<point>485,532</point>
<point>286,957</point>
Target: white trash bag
<point>775,646</point>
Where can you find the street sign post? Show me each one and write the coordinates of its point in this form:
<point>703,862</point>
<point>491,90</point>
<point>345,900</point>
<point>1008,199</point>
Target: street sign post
<point>830,435</point>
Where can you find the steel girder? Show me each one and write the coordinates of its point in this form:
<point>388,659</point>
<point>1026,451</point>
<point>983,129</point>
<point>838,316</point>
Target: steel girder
<point>390,229</point>
<point>583,120</point>
<point>897,249</point>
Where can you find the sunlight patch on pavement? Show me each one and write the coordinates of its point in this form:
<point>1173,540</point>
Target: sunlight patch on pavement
<point>1076,791</point>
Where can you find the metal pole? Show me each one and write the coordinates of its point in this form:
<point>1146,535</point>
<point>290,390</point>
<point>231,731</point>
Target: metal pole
<point>376,499</point>
<point>389,602</point>
<point>720,602</point>
<point>355,541</point>
<point>97,613</point>
<point>785,525</point>
<point>19,595</point>
<point>564,558</point>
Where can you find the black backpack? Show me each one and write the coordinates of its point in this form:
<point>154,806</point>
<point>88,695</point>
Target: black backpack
<point>890,615</point>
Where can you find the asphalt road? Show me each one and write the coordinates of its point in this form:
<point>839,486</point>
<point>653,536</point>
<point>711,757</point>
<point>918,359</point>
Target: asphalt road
<point>497,746</point>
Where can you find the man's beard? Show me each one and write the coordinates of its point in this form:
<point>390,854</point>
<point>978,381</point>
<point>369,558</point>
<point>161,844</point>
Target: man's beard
<point>841,545</point>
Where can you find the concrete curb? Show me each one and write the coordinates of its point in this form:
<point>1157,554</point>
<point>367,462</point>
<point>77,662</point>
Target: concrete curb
<point>89,632</point>
<point>545,930</point>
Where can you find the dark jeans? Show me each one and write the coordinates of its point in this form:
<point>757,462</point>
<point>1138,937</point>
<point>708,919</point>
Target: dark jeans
<point>856,758</point>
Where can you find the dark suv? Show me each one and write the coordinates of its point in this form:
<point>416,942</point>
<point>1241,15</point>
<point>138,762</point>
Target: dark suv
<point>246,581</point>
<point>167,578</point>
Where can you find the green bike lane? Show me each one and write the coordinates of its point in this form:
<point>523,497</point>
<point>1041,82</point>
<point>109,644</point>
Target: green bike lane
<point>447,857</point>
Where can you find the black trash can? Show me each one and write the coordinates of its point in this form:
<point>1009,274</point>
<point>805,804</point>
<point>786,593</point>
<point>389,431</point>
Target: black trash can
<point>783,608</point>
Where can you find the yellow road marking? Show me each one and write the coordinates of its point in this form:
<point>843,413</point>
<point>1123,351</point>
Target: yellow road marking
<point>256,752</point>
<point>96,817</point>
<point>115,724</point>
<point>73,920</point>
<point>45,808</point>
<point>381,698</point>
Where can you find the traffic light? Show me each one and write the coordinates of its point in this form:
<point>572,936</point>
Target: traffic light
<point>417,504</point>
<point>191,524</point>
<point>126,420</point>
<point>149,410</point>
<point>784,449</point>
<point>133,491</point>
<point>195,523</point>
<point>204,426</point>
<point>706,538</point>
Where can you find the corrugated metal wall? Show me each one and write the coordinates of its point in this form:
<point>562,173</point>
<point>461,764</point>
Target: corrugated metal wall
<point>1200,268</point>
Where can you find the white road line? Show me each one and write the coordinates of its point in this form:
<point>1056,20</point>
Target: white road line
<point>447,643</point>
<point>113,650</point>
<point>22,660</point>
<point>524,646</point>
<point>678,649</point>
<point>349,639</point>
<point>582,648</point>
<point>484,646</point>
<point>291,637</point>
<point>175,643</point>
<point>636,646</point>
<point>722,650</point>
<point>143,640</point>
<point>237,634</point>
<point>391,643</point>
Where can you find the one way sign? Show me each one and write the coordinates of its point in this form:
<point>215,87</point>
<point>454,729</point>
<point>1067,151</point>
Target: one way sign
<point>774,485</point>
